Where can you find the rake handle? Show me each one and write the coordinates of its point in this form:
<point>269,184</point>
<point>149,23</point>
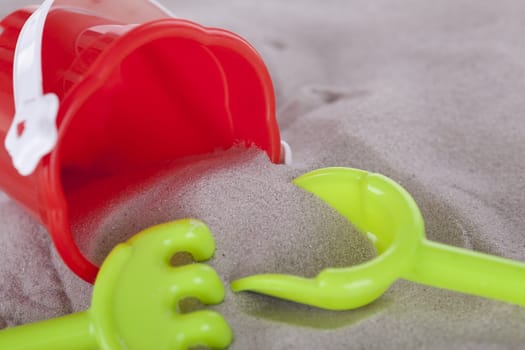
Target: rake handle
<point>62,333</point>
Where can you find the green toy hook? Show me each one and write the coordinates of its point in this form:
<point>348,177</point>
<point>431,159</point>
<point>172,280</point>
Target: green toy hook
<point>384,211</point>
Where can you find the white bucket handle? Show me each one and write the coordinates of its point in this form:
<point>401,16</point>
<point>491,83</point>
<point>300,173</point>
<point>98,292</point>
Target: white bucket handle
<point>162,8</point>
<point>33,132</point>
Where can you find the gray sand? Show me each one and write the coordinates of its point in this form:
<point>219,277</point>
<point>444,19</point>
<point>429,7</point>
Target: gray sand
<point>248,203</point>
<point>430,94</point>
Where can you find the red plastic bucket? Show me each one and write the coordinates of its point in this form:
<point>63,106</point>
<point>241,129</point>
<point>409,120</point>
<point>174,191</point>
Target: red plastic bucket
<point>131,97</point>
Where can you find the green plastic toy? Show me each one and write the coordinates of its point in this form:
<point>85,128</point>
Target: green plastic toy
<point>135,304</point>
<point>387,214</point>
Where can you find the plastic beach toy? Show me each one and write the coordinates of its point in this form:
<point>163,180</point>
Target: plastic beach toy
<point>390,218</point>
<point>136,297</point>
<point>116,92</point>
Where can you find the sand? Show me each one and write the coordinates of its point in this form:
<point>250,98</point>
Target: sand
<point>244,204</point>
<point>429,94</point>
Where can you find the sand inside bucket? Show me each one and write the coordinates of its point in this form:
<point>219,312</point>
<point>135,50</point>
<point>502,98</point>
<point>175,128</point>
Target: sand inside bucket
<point>245,200</point>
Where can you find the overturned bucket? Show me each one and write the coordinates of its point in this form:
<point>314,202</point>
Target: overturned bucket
<point>130,96</point>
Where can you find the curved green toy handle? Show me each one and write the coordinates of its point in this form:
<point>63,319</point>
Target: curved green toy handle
<point>380,208</point>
